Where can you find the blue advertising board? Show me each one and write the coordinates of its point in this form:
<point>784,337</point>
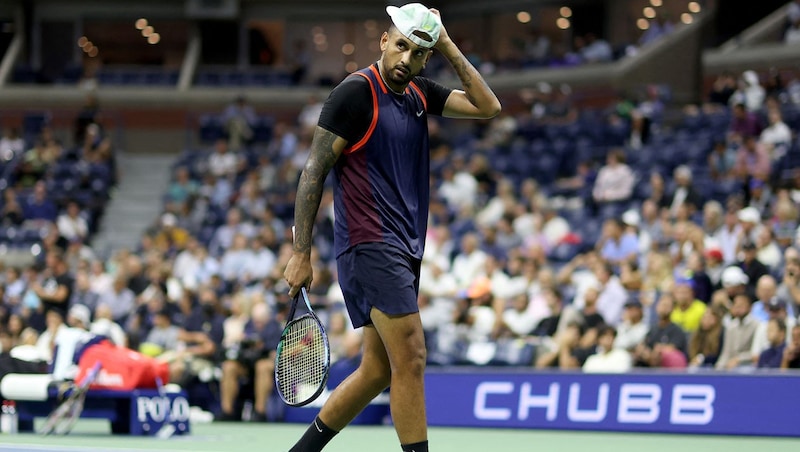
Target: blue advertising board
<point>703,403</point>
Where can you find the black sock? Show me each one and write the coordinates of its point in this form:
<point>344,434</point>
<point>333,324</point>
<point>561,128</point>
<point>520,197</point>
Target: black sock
<point>316,437</point>
<point>416,447</point>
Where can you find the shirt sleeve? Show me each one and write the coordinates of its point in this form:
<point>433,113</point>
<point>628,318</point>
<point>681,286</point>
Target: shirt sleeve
<point>435,93</point>
<point>348,110</point>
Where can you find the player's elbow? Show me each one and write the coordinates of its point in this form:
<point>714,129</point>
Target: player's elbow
<point>492,110</point>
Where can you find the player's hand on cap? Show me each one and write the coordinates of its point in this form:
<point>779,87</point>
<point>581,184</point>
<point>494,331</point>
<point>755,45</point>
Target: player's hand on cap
<point>444,38</point>
<point>298,273</point>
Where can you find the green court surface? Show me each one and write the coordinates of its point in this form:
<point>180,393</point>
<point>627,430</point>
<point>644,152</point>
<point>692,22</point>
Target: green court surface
<point>94,436</point>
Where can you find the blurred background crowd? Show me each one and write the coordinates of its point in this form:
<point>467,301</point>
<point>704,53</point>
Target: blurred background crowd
<point>636,233</point>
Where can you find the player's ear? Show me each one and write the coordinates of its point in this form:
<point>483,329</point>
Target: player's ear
<point>384,41</point>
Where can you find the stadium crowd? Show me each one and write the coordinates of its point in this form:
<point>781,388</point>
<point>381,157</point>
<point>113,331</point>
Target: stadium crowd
<point>595,239</point>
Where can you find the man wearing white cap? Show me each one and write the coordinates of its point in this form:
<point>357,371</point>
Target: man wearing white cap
<point>373,131</point>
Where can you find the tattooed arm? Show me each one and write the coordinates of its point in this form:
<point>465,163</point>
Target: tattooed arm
<point>476,100</point>
<point>326,147</point>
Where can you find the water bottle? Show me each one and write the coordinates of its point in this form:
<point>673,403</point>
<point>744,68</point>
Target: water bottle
<point>9,419</point>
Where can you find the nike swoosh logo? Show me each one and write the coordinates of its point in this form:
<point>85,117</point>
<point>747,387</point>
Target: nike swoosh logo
<point>320,430</point>
<point>419,113</point>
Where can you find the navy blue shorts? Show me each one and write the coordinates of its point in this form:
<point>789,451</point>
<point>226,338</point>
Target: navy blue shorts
<point>378,275</point>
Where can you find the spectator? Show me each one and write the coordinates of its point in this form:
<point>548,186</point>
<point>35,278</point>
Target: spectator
<point>79,317</point>
<point>517,319</point>
<point>760,195</point>
<point>665,344</point>
<point>743,123</point>
<point>791,354</point>
<point>11,144</point>
<point>239,119</point>
<point>162,337</point>
<point>469,263</point>
<point>458,188</point>
<point>740,332</point>
<point>616,245</point>
<point>99,280</point>
<point>597,50</point>
<point>772,357</point>
<point>13,213</point>
<point>252,358</point>
<point>789,289</point>
<point>705,344</point>
<point>569,352</point>
<point>235,259</point>
<point>723,88</point>
<point>612,295</point>
<point>768,252</point>
<point>39,207</point>
<point>222,163</point>
<point>722,162</point>
<point>104,325</point>
<point>183,188</point>
<point>614,181</point>
<point>785,223</point>
<point>223,237</point>
<point>82,293</point>
<point>632,331</point>
<point>752,160</point>
<point>776,136</point>
<point>71,225</point>
<point>34,165</point>
<point>56,288</point>
<point>201,331</point>
<point>777,309</point>
<point>250,201</point>
<point>735,282</point>
<point>261,263</point>
<point>688,310</point>
<point>696,272</point>
<point>120,299</point>
<point>608,359</point>
<point>15,288</point>
<point>750,92</point>
<point>684,194</point>
<point>631,277</point>
<point>750,264</point>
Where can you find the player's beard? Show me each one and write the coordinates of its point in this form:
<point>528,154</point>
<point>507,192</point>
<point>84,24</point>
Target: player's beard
<point>399,78</point>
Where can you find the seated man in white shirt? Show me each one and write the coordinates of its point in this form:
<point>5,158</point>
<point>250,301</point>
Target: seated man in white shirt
<point>608,359</point>
<point>633,329</point>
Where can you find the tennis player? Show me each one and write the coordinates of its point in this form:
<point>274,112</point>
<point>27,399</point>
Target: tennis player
<point>373,132</point>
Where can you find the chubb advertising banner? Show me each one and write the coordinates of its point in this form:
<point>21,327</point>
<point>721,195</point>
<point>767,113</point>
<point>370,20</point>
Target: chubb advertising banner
<point>712,403</point>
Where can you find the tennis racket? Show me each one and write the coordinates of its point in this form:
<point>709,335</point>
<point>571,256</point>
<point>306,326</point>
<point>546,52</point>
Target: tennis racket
<point>303,357</point>
<point>63,418</point>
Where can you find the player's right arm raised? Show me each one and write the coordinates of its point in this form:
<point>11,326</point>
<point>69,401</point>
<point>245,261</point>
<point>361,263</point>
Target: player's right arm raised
<point>326,147</point>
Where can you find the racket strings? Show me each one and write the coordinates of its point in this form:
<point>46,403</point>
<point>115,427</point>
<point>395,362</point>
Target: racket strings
<point>302,364</point>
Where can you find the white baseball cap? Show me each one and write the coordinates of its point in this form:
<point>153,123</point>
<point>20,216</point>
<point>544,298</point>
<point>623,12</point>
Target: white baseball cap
<point>417,23</point>
<point>749,215</point>
<point>734,276</point>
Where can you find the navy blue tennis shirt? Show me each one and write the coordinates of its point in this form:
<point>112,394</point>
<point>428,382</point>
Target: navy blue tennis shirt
<point>382,179</point>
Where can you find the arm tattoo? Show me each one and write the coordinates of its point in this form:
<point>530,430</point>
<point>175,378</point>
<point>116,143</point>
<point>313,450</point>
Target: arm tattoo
<point>309,191</point>
<point>466,72</point>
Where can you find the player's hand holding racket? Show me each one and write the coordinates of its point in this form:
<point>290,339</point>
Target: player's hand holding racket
<point>303,356</point>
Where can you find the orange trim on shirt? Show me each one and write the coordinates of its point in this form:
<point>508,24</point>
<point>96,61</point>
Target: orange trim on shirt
<point>372,124</point>
<point>421,96</point>
<point>378,77</point>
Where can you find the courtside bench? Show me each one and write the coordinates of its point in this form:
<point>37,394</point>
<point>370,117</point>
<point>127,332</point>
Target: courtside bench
<point>135,412</point>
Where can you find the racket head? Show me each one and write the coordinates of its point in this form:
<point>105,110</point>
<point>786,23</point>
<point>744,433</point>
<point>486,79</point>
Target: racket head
<point>302,361</point>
